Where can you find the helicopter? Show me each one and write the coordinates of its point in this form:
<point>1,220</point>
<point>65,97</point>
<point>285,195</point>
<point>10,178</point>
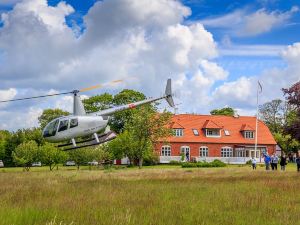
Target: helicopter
<point>82,124</point>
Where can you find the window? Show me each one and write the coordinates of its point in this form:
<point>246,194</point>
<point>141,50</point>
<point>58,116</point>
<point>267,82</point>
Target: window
<point>178,132</point>
<point>249,134</point>
<point>73,123</point>
<point>240,152</point>
<point>226,152</point>
<point>213,133</point>
<point>63,125</point>
<point>195,131</point>
<point>166,151</point>
<point>50,129</point>
<point>203,152</point>
<point>227,132</point>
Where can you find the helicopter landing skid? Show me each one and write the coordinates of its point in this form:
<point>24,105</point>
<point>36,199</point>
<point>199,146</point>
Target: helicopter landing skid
<point>102,138</point>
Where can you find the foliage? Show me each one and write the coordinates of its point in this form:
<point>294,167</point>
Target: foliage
<point>146,127</point>
<point>51,155</point>
<point>286,142</point>
<point>215,163</point>
<point>174,162</point>
<point>81,156</point>
<point>119,119</point>
<point>26,153</point>
<point>50,114</point>
<point>151,159</point>
<point>227,111</point>
<point>293,98</point>
<point>4,135</point>
<point>98,102</point>
<point>103,155</point>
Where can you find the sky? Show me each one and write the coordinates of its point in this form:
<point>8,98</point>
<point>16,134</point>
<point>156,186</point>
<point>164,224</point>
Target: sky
<point>214,51</point>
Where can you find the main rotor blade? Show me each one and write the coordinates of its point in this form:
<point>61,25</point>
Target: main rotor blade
<point>41,96</point>
<point>100,85</point>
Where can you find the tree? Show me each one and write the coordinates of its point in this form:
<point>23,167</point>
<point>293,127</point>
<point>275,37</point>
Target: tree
<point>224,111</point>
<point>51,155</point>
<point>103,155</point>
<point>26,154</point>
<point>146,127</point>
<point>81,156</point>
<point>126,96</point>
<point>123,146</point>
<point>273,114</point>
<point>286,142</point>
<point>4,136</point>
<point>98,102</point>
<point>292,95</point>
<point>50,114</point>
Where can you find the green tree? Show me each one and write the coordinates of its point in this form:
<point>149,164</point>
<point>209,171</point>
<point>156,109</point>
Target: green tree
<point>224,111</point>
<point>146,127</point>
<point>51,155</point>
<point>50,114</point>
<point>4,136</point>
<point>286,142</point>
<point>25,154</point>
<point>103,155</point>
<point>98,102</point>
<point>81,156</point>
<point>119,119</point>
<point>123,146</point>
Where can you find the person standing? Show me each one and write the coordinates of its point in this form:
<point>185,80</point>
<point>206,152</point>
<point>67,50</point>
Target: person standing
<point>267,159</point>
<point>253,160</point>
<point>275,161</point>
<point>272,162</point>
<point>298,163</point>
<point>283,162</point>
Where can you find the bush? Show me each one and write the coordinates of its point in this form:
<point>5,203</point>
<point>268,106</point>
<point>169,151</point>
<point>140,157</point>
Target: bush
<point>249,162</point>
<point>151,159</point>
<point>188,165</point>
<point>174,162</point>
<point>215,163</point>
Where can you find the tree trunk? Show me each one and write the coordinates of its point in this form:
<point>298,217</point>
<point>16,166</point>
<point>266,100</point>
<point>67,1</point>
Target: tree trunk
<point>77,166</point>
<point>140,163</point>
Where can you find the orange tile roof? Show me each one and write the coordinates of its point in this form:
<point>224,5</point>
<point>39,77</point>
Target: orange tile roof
<point>246,127</point>
<point>211,124</point>
<point>232,124</point>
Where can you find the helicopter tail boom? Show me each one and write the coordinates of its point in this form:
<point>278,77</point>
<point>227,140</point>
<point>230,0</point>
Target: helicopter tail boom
<point>168,96</point>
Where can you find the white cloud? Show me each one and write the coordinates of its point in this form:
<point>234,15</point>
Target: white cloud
<point>8,2</point>
<point>243,23</point>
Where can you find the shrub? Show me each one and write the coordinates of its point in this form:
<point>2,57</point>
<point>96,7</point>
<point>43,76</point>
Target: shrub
<point>249,162</point>
<point>174,162</point>
<point>151,159</point>
<point>188,165</point>
<point>215,163</point>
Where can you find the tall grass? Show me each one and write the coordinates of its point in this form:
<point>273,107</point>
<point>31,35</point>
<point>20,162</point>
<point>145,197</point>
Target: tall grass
<point>234,195</point>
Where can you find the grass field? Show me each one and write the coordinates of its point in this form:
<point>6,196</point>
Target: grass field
<point>153,195</point>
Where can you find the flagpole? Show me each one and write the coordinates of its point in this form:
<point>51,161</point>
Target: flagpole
<point>256,125</point>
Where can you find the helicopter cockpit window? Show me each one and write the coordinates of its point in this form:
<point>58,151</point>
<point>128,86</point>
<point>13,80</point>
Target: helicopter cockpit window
<point>63,125</point>
<point>73,123</point>
<point>50,129</point>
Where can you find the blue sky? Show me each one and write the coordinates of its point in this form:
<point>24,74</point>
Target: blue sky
<point>214,50</point>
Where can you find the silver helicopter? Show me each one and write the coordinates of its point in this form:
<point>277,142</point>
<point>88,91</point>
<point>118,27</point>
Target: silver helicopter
<point>82,124</point>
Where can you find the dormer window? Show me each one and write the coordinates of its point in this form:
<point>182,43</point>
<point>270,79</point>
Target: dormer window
<point>178,132</point>
<point>213,133</point>
<point>249,134</point>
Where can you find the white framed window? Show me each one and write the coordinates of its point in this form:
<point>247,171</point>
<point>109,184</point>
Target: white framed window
<point>178,132</point>
<point>249,134</point>
<point>203,151</point>
<point>196,132</point>
<point>226,152</point>
<point>240,152</point>
<point>166,150</point>
<point>213,133</point>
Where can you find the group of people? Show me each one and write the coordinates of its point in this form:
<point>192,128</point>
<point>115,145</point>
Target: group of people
<point>273,162</point>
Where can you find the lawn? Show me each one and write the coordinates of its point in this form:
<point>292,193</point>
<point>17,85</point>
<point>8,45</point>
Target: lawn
<point>153,195</point>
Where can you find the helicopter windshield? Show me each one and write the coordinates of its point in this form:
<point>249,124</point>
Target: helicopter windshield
<point>50,129</point>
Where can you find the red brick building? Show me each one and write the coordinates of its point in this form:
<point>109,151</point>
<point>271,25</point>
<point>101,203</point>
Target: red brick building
<point>209,137</point>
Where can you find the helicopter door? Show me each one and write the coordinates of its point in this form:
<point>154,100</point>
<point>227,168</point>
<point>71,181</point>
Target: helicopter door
<point>73,123</point>
<point>63,125</point>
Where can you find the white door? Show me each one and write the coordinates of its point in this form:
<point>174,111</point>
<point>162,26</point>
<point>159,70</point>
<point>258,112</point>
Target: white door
<point>186,151</point>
